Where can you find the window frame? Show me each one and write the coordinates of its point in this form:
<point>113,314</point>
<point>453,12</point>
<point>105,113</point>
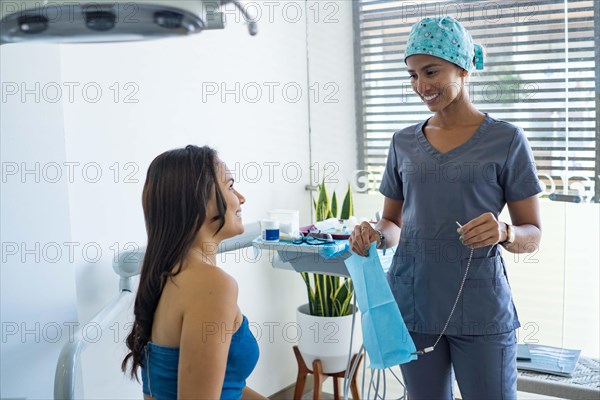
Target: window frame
<point>360,108</point>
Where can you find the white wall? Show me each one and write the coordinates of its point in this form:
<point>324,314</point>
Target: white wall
<point>332,88</point>
<point>163,102</point>
<point>37,282</point>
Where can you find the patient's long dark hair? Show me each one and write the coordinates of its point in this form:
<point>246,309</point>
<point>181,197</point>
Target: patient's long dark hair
<point>179,184</point>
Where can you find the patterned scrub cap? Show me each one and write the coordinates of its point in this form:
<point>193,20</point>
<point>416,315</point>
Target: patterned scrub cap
<point>445,38</point>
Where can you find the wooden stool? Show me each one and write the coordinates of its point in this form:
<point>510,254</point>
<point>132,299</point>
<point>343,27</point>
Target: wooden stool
<point>320,377</point>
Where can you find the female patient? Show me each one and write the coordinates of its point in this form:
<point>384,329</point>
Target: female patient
<point>189,336</point>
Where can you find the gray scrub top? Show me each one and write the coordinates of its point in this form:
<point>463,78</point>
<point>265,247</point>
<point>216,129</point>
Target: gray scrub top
<point>493,167</point>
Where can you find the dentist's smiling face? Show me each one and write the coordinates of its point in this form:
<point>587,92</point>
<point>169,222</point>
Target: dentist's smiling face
<point>437,82</point>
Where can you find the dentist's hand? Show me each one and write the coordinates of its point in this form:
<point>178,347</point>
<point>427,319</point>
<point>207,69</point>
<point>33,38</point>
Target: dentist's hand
<point>484,230</point>
<point>361,238</point>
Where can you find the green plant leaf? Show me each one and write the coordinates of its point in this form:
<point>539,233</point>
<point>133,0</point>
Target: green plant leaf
<point>331,297</point>
<point>310,292</point>
<point>342,296</point>
<point>333,282</point>
<point>328,295</point>
<point>349,293</point>
<point>347,205</point>
<point>322,203</point>
<point>334,205</point>
<point>320,291</point>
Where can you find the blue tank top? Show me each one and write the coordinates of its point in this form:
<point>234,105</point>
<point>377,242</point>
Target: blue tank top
<point>160,363</point>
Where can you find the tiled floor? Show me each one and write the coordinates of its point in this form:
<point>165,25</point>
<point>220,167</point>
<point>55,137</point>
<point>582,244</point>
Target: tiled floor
<point>394,391</point>
<point>520,396</point>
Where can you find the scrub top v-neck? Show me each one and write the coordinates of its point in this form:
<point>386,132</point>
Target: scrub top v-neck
<point>443,157</point>
<point>494,166</point>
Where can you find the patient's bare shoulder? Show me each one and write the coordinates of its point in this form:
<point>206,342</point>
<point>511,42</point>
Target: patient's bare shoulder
<point>209,286</point>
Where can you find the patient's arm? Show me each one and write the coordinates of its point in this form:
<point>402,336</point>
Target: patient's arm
<point>249,394</point>
<point>210,312</point>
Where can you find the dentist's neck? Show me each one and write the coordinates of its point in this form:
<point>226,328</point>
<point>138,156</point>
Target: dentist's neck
<point>459,113</point>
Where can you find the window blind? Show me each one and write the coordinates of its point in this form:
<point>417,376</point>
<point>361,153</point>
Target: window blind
<point>541,73</point>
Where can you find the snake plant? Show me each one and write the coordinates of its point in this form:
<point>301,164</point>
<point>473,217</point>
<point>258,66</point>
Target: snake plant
<point>328,295</point>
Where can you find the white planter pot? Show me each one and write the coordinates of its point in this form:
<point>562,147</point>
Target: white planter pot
<point>327,339</point>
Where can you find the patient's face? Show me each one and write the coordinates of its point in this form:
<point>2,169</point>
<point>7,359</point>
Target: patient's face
<point>234,200</point>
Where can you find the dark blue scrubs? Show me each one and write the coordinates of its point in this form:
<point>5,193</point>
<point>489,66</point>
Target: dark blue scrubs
<point>493,167</point>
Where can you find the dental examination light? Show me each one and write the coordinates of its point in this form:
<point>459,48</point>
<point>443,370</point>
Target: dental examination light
<point>110,20</point>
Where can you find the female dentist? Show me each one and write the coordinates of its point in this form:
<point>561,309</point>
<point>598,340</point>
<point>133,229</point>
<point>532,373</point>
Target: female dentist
<point>460,165</point>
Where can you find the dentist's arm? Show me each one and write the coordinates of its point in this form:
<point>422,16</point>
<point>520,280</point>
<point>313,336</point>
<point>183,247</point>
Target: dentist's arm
<point>525,215</point>
<point>390,224</point>
<point>486,230</point>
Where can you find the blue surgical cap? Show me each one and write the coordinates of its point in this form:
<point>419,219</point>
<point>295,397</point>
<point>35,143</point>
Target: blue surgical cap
<point>445,38</point>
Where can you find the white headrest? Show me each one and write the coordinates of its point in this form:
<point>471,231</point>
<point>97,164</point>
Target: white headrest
<point>129,263</point>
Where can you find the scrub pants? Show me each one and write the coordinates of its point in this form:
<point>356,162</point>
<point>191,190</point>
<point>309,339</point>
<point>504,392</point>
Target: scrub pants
<point>485,367</point>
